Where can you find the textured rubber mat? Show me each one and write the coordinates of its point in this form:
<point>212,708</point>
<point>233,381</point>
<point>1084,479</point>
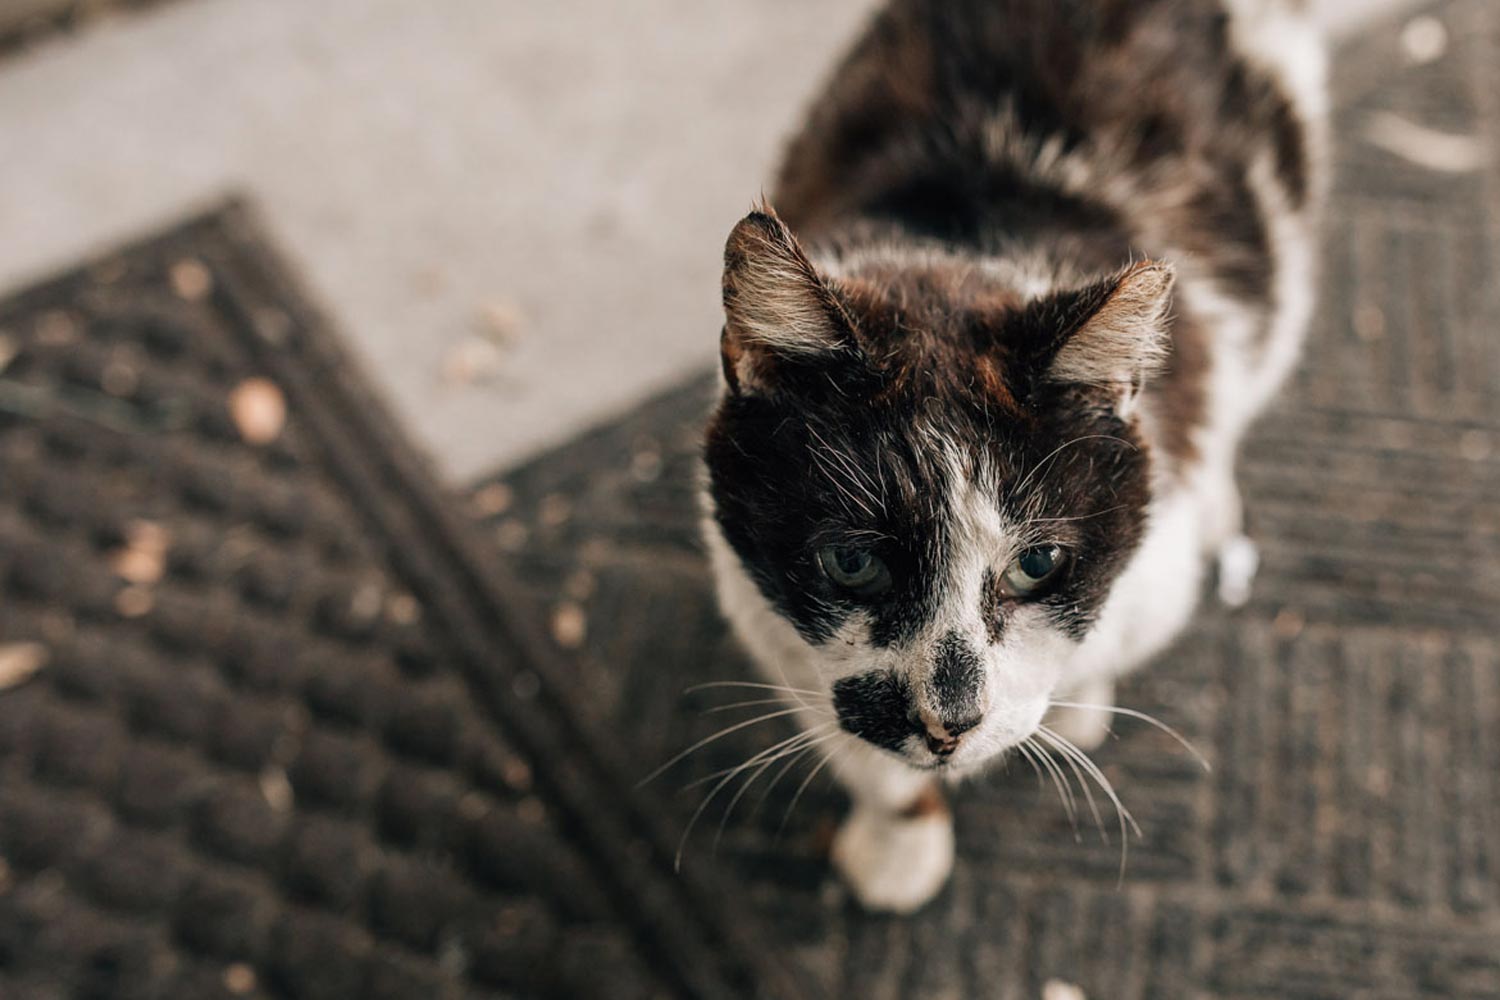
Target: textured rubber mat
<point>267,726</point>
<point>1347,842</point>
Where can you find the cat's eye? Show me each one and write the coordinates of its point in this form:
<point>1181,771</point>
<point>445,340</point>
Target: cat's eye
<point>857,570</point>
<point>1033,570</point>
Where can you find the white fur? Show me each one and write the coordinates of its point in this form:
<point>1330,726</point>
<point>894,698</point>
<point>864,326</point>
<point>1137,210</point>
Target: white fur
<point>894,863</point>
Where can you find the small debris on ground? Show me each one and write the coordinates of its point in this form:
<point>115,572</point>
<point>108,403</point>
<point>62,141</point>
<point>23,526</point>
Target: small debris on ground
<point>134,602</point>
<point>569,625</point>
<point>276,789</point>
<point>239,978</point>
<point>1424,40</point>
<point>1057,989</point>
<point>191,280</point>
<point>1441,152</point>
<point>19,662</point>
<point>143,557</point>
<point>501,322</point>
<point>493,499</point>
<point>554,510</point>
<point>472,360</point>
<point>258,410</point>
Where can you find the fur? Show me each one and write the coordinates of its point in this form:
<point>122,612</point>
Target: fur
<point>1037,266</point>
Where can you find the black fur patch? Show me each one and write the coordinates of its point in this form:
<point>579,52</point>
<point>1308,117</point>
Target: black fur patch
<point>875,706</point>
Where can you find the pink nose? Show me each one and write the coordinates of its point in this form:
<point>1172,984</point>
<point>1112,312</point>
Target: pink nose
<point>943,736</point>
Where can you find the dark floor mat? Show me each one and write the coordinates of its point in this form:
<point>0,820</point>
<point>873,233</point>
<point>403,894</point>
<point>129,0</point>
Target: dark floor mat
<point>283,738</point>
<point>1347,842</point>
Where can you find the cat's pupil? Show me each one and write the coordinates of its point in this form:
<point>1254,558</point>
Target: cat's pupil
<point>1038,562</point>
<point>852,562</point>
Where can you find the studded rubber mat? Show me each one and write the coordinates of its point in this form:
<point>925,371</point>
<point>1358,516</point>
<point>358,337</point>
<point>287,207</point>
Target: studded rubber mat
<point>268,727</point>
<point>1346,845</point>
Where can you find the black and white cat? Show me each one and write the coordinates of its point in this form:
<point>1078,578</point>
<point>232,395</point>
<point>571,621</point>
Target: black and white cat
<point>1037,266</point>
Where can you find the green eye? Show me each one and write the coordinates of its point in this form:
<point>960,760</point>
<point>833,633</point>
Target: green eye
<point>858,570</point>
<point>1032,570</point>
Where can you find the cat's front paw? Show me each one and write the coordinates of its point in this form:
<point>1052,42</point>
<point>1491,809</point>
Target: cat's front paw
<point>1239,559</point>
<point>895,862</point>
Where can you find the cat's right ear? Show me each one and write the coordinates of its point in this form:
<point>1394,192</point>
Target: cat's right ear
<point>779,313</point>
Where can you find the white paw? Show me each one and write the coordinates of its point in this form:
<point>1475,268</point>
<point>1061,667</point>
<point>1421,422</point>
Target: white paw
<point>1085,728</point>
<point>1238,561</point>
<point>891,862</point>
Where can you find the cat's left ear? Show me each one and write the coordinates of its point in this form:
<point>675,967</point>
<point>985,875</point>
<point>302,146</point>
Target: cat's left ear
<point>1110,334</point>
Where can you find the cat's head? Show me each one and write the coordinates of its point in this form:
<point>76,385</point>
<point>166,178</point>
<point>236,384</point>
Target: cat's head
<point>932,475</point>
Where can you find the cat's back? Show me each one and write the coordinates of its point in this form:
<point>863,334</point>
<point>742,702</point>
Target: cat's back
<point>1112,99</point>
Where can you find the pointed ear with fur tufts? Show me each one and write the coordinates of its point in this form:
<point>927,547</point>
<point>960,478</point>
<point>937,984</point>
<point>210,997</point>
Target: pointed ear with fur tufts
<point>778,311</point>
<point>1110,334</point>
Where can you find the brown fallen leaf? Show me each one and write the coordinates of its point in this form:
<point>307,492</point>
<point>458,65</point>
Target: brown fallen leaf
<point>471,360</point>
<point>143,557</point>
<point>569,625</point>
<point>19,662</point>
<point>191,280</point>
<point>258,410</point>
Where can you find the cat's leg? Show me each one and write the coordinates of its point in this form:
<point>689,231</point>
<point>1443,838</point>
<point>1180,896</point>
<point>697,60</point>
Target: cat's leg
<point>1085,723</point>
<point>1224,537</point>
<point>895,848</point>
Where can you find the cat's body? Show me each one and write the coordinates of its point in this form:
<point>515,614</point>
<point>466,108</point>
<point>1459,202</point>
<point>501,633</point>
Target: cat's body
<point>975,448</point>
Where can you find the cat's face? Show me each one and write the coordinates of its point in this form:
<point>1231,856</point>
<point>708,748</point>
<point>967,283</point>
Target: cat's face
<point>929,477</point>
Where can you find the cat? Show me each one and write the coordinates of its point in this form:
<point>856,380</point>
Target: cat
<point>1033,268</point>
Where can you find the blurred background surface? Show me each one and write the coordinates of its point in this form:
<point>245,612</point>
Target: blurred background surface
<point>513,210</point>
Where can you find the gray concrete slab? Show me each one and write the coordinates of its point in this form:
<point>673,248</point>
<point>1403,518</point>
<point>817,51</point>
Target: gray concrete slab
<point>557,176</point>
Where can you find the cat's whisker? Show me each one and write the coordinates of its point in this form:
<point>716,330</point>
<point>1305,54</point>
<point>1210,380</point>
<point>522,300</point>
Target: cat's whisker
<point>717,736</point>
<point>1066,748</point>
<point>756,757</point>
<point>753,684</point>
<point>1079,517</point>
<point>797,796</point>
<point>765,794</point>
<point>770,752</point>
<point>1026,749</point>
<point>766,701</point>
<point>754,777</point>
<point>1149,720</point>
<point>1088,796</point>
<point>1064,793</point>
<point>1020,488</point>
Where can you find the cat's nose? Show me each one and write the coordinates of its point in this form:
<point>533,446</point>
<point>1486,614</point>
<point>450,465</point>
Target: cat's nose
<point>943,736</point>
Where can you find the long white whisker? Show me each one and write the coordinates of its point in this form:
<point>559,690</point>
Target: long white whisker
<point>1067,748</point>
<point>1064,792</point>
<point>714,792</point>
<point>755,776</point>
<point>784,744</point>
<point>718,736</point>
<point>753,684</point>
<point>1149,720</point>
<point>786,816</point>
<point>1059,449</point>
<point>765,701</point>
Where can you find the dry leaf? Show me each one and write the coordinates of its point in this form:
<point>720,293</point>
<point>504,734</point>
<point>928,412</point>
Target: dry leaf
<point>473,359</point>
<point>239,978</point>
<point>569,625</point>
<point>19,661</point>
<point>1424,40</point>
<point>191,280</point>
<point>144,555</point>
<point>501,322</point>
<point>258,409</point>
<point>493,499</point>
<point>134,601</point>
<point>1443,152</point>
<point>1056,989</point>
